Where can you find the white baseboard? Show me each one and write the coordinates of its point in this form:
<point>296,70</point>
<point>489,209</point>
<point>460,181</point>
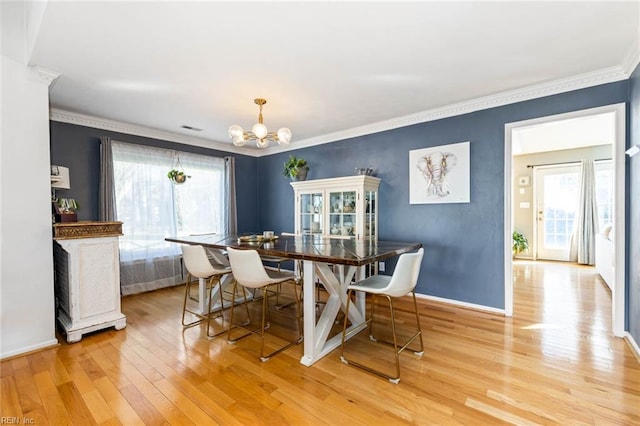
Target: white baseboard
<point>28,349</point>
<point>473,306</point>
<point>633,344</point>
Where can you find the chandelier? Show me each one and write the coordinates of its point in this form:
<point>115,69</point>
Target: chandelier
<point>259,132</point>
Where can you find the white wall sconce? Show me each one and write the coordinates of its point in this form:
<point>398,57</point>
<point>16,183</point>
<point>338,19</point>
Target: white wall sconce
<point>633,150</point>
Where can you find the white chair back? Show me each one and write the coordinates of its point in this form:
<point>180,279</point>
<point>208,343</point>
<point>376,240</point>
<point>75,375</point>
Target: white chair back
<point>196,261</point>
<point>405,276</point>
<point>247,268</point>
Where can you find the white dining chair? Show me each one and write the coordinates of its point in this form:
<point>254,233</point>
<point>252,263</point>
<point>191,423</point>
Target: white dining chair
<point>401,283</point>
<point>250,273</point>
<point>198,265</point>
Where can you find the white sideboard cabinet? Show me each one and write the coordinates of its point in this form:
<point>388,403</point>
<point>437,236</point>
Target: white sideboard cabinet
<point>344,206</point>
<point>87,277</point>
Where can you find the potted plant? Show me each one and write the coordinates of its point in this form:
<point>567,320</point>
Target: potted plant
<point>65,210</point>
<point>520,243</point>
<point>177,176</point>
<point>295,168</point>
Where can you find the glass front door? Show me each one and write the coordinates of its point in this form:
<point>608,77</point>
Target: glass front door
<point>557,192</point>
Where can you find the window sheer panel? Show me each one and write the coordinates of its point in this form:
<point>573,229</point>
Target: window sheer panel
<point>152,208</point>
<point>604,192</point>
<point>200,201</point>
<point>144,201</point>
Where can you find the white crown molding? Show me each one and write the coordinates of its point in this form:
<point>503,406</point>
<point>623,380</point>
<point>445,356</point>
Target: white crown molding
<point>63,116</point>
<point>632,59</point>
<point>582,81</point>
<point>48,76</point>
<point>607,75</point>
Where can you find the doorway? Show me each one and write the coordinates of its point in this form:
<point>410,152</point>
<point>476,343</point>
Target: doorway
<point>618,165</point>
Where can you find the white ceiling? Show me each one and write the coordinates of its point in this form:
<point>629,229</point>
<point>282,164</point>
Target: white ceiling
<point>324,67</point>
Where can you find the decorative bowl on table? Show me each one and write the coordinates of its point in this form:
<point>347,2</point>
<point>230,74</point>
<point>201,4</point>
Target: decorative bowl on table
<point>255,239</point>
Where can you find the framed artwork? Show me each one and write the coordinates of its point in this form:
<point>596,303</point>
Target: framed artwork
<point>440,174</point>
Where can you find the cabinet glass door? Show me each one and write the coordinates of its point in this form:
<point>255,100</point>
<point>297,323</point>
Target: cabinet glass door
<point>311,213</point>
<point>370,215</point>
<point>342,213</point>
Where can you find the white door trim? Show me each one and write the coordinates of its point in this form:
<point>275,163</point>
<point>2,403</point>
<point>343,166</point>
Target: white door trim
<point>618,294</point>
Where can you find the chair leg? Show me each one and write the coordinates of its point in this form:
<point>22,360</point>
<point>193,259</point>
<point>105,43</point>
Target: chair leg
<point>298,307</point>
<point>219,283</point>
<point>415,307</point>
<point>396,350</point>
<point>186,295</point>
<point>396,379</point>
<point>264,315</point>
<point>187,292</point>
<point>265,325</point>
<point>373,305</point>
<point>231,323</point>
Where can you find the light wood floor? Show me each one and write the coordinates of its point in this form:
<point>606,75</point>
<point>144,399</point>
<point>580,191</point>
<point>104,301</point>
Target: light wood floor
<point>554,362</point>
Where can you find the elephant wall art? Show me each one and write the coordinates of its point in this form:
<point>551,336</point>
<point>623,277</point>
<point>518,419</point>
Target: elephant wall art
<point>440,174</point>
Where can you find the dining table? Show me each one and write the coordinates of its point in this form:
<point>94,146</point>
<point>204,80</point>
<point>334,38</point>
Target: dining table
<point>333,262</point>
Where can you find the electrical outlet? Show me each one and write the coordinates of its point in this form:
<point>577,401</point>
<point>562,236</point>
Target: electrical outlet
<point>381,266</point>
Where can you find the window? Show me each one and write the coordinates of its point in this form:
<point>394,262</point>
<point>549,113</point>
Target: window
<point>152,208</point>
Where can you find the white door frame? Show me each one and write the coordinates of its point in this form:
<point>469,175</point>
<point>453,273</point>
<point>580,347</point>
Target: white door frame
<point>618,294</point>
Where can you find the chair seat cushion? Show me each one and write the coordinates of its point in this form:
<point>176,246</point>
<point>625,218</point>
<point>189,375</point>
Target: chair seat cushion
<point>279,276</point>
<point>374,284</point>
<point>220,269</point>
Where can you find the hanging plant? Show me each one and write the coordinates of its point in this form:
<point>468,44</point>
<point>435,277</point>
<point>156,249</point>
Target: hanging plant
<point>177,174</point>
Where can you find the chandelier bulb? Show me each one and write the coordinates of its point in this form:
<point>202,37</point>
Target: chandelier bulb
<point>259,132</point>
<point>284,136</point>
<point>235,131</point>
<point>239,140</point>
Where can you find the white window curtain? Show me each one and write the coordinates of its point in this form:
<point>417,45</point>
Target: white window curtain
<point>152,208</point>
<point>604,192</point>
<point>586,224</point>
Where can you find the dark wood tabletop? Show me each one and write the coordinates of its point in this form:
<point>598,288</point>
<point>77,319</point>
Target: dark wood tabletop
<point>314,248</point>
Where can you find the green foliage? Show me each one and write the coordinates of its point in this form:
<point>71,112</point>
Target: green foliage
<point>292,166</point>
<point>520,243</point>
<point>68,204</point>
<point>177,176</point>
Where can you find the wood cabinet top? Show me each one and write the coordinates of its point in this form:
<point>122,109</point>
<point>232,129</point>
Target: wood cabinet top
<point>86,229</point>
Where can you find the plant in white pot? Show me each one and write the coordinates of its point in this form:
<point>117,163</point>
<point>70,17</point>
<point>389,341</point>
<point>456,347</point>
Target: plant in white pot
<point>295,168</point>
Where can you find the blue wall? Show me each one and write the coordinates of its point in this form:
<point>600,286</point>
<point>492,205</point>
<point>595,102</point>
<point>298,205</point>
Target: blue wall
<point>633,197</point>
<point>78,148</point>
<point>463,242</point>
<point>464,257</point>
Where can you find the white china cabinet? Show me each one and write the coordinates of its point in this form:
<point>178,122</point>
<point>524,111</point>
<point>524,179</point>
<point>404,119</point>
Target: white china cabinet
<point>344,206</point>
